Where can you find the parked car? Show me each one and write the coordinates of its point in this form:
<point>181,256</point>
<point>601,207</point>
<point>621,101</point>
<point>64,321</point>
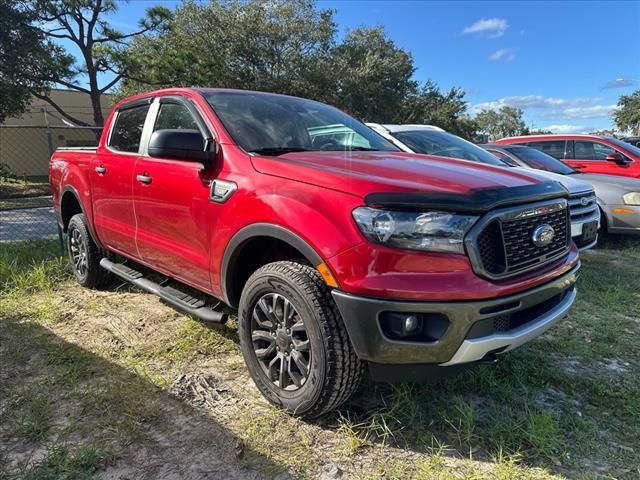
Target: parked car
<point>635,141</point>
<point>426,139</point>
<point>587,153</point>
<point>337,256</point>
<point>618,197</point>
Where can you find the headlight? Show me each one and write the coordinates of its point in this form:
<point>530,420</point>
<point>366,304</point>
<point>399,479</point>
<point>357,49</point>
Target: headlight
<point>631,198</point>
<point>432,231</point>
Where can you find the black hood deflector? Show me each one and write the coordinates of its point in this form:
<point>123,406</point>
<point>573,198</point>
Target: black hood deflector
<point>476,201</point>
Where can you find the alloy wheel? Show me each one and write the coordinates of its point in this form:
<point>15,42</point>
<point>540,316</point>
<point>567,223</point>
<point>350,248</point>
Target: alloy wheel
<point>280,341</point>
<point>78,251</point>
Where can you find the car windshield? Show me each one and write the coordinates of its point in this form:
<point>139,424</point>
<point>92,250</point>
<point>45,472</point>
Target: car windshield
<point>540,160</point>
<point>627,146</point>
<point>275,124</point>
<point>433,142</point>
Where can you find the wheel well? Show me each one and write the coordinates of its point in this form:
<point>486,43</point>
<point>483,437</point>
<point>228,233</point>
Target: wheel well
<point>253,254</point>
<point>69,207</point>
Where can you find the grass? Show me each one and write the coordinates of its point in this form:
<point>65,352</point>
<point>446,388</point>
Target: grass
<point>25,192</point>
<point>93,374</point>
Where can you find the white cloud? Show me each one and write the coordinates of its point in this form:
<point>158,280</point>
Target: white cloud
<point>507,54</point>
<point>567,129</point>
<point>552,107</point>
<point>620,83</point>
<point>596,111</point>
<point>492,27</point>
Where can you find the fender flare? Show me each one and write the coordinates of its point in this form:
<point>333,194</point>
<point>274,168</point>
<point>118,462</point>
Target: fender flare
<point>74,192</point>
<point>250,232</point>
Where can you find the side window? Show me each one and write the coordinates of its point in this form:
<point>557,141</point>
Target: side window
<point>591,150</point>
<point>174,116</point>
<point>555,148</point>
<point>127,130</point>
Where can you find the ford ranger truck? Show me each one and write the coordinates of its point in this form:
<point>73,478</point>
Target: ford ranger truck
<point>341,253</point>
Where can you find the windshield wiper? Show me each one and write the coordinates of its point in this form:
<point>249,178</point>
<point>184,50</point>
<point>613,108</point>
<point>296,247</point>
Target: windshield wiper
<point>275,151</point>
<point>362,149</point>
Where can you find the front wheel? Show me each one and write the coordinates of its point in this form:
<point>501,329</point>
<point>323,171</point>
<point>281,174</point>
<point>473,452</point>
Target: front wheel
<point>294,341</point>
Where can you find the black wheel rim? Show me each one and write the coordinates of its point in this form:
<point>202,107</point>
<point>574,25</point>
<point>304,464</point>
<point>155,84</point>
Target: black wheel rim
<point>78,252</point>
<point>280,342</point>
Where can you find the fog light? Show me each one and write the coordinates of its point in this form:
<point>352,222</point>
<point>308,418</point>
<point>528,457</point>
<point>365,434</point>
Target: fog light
<point>414,327</point>
<point>411,324</point>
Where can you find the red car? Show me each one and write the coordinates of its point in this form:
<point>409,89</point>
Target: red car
<point>338,251</point>
<point>587,153</point>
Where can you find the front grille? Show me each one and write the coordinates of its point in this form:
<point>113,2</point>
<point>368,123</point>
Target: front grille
<point>504,246</point>
<point>582,206</point>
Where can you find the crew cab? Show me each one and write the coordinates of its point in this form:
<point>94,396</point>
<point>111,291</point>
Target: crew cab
<point>586,153</point>
<point>340,253</point>
<point>427,139</point>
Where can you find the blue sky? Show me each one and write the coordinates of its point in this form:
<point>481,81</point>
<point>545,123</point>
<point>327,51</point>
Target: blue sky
<point>564,63</point>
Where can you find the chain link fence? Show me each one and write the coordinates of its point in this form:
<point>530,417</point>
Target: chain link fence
<point>26,209</point>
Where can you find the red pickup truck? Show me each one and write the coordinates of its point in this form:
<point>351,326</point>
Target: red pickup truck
<point>338,251</point>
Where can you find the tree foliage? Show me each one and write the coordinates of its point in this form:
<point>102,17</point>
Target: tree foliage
<point>24,54</point>
<point>431,106</point>
<point>627,116</point>
<point>372,76</point>
<point>83,23</point>
<point>279,46</point>
<point>506,122</point>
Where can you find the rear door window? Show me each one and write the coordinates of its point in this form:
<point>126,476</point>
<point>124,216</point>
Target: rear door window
<point>127,129</point>
<point>555,148</point>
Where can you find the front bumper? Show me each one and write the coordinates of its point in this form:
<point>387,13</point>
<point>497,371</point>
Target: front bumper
<point>470,335</point>
<point>622,219</point>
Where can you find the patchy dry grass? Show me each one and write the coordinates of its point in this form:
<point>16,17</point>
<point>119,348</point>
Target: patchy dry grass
<point>116,384</point>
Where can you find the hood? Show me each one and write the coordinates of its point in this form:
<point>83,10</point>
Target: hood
<point>574,185</point>
<point>627,183</point>
<point>364,173</point>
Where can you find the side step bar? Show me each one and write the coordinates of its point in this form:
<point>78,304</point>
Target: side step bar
<point>176,298</point>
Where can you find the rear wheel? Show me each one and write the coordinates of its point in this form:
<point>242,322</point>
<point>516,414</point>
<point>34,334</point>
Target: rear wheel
<point>294,341</point>
<point>85,255</point>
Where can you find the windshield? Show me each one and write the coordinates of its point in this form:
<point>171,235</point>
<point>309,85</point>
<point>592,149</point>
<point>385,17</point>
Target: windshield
<point>433,142</point>
<point>275,124</point>
<point>540,160</point>
<point>627,146</point>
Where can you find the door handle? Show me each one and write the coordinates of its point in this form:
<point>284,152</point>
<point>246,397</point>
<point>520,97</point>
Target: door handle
<point>579,167</point>
<point>101,170</point>
<point>144,179</point>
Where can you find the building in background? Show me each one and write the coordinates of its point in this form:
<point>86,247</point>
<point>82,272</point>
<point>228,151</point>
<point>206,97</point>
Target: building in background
<point>26,141</point>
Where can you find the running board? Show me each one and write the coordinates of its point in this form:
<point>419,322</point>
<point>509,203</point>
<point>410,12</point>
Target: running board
<point>170,295</point>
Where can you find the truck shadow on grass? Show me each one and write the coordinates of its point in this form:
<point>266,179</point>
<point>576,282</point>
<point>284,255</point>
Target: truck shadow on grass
<point>66,412</point>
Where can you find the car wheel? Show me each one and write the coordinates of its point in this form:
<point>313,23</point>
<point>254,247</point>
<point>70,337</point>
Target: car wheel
<point>294,341</point>
<point>85,255</point>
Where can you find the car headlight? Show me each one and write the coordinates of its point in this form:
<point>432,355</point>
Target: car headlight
<point>431,231</point>
<point>631,198</point>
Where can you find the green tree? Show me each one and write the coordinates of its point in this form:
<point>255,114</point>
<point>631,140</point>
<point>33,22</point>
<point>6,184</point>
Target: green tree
<point>23,51</point>
<point>627,116</point>
<point>373,75</point>
<point>506,122</point>
<point>279,46</point>
<point>83,24</point>
<point>431,106</point>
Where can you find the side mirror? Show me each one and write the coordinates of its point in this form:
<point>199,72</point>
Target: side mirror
<point>617,157</point>
<point>180,144</point>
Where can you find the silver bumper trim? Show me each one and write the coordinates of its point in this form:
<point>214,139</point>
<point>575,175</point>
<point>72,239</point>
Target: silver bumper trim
<point>477,348</point>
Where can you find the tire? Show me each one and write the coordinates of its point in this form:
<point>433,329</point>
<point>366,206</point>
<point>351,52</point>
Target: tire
<point>85,255</point>
<point>334,371</point>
